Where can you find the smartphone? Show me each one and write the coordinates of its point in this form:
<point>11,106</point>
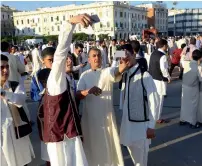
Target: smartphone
<point>120,54</point>
<point>95,19</point>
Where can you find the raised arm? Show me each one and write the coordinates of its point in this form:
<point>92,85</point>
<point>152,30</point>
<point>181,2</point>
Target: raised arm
<point>57,79</point>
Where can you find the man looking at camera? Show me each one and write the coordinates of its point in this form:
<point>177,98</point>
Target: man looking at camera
<point>101,141</point>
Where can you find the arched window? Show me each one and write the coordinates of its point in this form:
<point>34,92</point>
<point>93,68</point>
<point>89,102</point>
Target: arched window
<point>108,24</point>
<point>120,36</point>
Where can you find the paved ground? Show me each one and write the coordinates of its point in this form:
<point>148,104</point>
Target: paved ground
<point>174,145</point>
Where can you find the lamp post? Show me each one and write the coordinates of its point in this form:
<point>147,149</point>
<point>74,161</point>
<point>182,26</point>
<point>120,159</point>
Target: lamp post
<point>174,7</point>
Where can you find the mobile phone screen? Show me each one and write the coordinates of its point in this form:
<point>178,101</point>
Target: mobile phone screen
<point>120,54</point>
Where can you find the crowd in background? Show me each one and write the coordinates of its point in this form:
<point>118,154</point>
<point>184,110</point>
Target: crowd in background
<point>44,65</point>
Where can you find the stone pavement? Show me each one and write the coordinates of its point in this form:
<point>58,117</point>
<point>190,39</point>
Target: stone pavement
<point>174,145</point>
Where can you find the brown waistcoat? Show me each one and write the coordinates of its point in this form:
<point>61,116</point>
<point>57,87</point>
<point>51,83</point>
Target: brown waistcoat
<point>60,117</point>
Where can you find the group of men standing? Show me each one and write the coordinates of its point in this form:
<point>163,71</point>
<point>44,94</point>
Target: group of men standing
<point>73,135</point>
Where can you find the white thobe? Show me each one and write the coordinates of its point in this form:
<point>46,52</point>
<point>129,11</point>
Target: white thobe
<point>22,59</point>
<point>161,86</point>
<point>199,112</point>
<point>101,141</point>
<point>133,134</point>
<point>112,53</point>
<point>190,92</point>
<point>15,152</point>
<point>36,59</point>
<point>68,152</point>
<point>150,48</point>
<point>104,57</point>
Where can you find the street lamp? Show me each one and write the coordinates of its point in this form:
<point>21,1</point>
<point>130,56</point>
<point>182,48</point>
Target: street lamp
<point>174,7</point>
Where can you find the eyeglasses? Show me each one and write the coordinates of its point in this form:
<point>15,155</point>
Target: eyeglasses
<point>4,67</point>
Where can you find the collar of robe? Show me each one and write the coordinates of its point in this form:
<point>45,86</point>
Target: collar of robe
<point>132,69</point>
<point>98,69</point>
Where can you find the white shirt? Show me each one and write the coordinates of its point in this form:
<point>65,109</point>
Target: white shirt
<point>135,131</point>
<point>37,61</point>
<point>164,65</point>
<point>161,85</point>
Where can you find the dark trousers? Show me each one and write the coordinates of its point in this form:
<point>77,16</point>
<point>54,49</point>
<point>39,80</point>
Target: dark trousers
<point>172,66</point>
<point>181,72</point>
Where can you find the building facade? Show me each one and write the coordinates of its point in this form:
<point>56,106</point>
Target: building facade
<point>117,19</point>
<point>185,22</point>
<point>7,26</point>
<point>157,15</point>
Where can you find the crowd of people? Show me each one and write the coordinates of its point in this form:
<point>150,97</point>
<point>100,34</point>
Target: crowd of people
<point>73,83</point>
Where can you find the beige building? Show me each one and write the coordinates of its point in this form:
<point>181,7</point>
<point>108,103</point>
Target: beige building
<point>118,19</point>
<point>157,15</point>
<point>7,27</point>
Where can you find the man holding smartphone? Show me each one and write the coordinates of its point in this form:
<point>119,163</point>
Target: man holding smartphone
<point>95,87</point>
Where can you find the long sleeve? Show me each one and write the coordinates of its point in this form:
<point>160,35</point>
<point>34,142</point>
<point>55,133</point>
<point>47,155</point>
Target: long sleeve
<point>153,99</point>
<point>56,83</point>
<point>76,68</point>
<point>164,66</point>
<point>20,65</point>
<point>18,97</point>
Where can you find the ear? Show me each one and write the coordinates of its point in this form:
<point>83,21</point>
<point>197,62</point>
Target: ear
<point>88,60</point>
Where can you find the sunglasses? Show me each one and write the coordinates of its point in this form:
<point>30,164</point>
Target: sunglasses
<point>5,67</point>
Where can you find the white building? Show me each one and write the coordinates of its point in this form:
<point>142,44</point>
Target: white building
<point>7,27</point>
<point>187,22</point>
<point>118,19</point>
<point>157,14</point>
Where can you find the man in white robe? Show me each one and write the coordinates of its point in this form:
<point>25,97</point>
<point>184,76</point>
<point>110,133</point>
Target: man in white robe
<point>160,73</point>
<point>68,152</point>
<point>95,87</point>
<point>190,91</point>
<point>103,50</point>
<point>15,152</point>
<point>36,59</point>
<point>138,123</point>
<point>199,113</point>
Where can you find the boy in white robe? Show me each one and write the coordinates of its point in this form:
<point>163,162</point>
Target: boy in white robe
<point>16,149</point>
<point>63,141</point>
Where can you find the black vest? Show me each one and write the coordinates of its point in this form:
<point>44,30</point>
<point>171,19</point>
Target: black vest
<point>154,66</point>
<point>75,63</point>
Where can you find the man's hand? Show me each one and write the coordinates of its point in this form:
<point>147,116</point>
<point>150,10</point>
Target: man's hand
<point>169,80</point>
<point>123,66</point>
<point>150,133</point>
<point>83,64</point>
<point>95,90</point>
<point>83,19</point>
